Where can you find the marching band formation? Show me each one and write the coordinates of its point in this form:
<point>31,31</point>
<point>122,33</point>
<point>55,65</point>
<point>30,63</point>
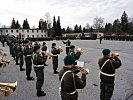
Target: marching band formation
<point>37,55</point>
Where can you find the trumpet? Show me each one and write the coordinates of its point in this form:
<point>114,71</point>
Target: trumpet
<point>79,50</point>
<point>61,50</point>
<point>7,88</point>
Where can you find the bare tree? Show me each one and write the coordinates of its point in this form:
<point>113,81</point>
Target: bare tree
<point>98,23</point>
<point>48,20</point>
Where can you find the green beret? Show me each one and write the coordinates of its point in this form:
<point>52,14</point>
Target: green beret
<point>69,60</point>
<point>106,51</point>
<point>72,46</point>
<point>36,47</point>
<point>26,41</point>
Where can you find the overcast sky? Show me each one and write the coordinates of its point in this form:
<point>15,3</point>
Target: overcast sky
<point>71,12</point>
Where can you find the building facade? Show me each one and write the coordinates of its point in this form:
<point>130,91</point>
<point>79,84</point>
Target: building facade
<point>24,33</point>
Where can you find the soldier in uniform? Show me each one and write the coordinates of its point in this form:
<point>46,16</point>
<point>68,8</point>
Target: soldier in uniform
<point>68,43</point>
<point>44,48</point>
<point>15,49</point>
<point>20,53</point>
<point>108,64</point>
<point>38,62</point>
<point>71,81</point>
<point>76,55</point>
<point>55,53</point>
<point>28,51</point>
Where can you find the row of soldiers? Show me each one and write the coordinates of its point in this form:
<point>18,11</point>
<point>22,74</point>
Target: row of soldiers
<point>39,56</point>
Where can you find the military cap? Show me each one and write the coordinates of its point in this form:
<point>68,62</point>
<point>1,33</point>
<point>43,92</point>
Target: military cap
<point>106,51</point>
<point>53,44</point>
<point>72,47</point>
<point>69,60</point>
<point>36,47</point>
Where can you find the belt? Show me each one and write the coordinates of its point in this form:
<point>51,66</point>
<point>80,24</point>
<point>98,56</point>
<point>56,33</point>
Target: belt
<point>28,55</point>
<point>38,65</point>
<point>67,46</point>
<point>72,92</point>
<point>107,74</point>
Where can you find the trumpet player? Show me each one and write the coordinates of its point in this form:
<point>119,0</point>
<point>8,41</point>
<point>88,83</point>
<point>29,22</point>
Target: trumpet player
<point>71,81</point>
<point>55,51</point>
<point>38,62</point>
<point>44,48</point>
<point>108,64</point>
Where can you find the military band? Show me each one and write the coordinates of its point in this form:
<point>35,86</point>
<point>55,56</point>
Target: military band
<point>69,79</point>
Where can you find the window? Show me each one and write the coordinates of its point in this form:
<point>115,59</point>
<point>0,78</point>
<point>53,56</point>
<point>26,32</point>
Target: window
<point>42,35</point>
<point>17,31</point>
<point>12,31</point>
<point>37,35</point>
<point>6,31</point>
<point>27,31</point>
<point>32,31</point>
<point>27,35</point>
<point>45,35</point>
<point>32,35</point>
<point>1,30</point>
<point>37,31</point>
<point>22,31</point>
<point>42,31</point>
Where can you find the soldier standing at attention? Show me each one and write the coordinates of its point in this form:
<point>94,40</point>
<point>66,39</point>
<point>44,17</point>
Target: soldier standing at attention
<point>28,51</point>
<point>68,43</point>
<point>20,53</point>
<point>108,64</point>
<point>38,62</point>
<point>55,51</point>
<point>16,52</point>
<point>44,48</point>
<point>70,81</point>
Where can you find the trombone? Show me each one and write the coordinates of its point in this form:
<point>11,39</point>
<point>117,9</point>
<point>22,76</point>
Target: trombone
<point>6,88</point>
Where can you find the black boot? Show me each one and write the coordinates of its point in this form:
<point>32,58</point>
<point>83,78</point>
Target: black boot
<point>22,69</point>
<point>40,93</point>
<point>56,72</point>
<point>30,78</point>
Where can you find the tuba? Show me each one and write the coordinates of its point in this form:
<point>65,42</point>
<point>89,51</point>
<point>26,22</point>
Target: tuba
<point>6,88</point>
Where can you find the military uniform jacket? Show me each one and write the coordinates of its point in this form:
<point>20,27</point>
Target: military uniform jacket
<point>38,59</point>
<point>28,50</point>
<point>108,68</point>
<point>67,43</point>
<point>20,50</point>
<point>67,85</point>
<point>75,54</point>
<point>55,51</point>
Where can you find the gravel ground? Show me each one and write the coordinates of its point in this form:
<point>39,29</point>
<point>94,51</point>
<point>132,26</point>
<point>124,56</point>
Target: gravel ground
<point>92,52</point>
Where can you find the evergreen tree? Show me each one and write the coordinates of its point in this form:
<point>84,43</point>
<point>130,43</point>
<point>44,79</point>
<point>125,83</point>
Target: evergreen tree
<point>80,29</point>
<point>54,27</point>
<point>76,28</point>
<point>58,26</point>
<point>26,24</point>
<point>124,22</point>
<point>17,25</point>
<point>13,24</point>
<point>116,28</point>
<point>42,24</point>
<point>108,28</point>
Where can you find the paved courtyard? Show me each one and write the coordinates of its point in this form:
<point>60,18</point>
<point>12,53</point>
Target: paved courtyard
<point>92,51</point>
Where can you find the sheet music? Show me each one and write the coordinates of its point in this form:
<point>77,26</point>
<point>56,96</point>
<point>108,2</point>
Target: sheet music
<point>79,49</point>
<point>80,63</point>
<point>47,51</point>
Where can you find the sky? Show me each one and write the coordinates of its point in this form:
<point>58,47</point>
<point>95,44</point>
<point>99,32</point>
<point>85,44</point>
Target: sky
<point>71,12</point>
